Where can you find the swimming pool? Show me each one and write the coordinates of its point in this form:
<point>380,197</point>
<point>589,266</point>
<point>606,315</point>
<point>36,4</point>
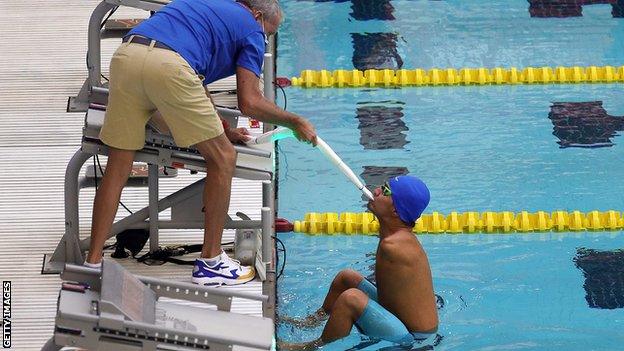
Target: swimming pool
<point>492,148</point>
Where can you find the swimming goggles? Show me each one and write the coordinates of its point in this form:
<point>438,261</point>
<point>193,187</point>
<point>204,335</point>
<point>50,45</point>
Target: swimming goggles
<point>385,189</point>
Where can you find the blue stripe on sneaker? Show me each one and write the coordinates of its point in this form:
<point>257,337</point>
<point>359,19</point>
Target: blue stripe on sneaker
<point>203,271</point>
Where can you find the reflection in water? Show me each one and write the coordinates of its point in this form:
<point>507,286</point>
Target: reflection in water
<point>583,124</point>
<point>618,9</point>
<point>375,51</point>
<point>381,127</point>
<point>372,10</point>
<point>368,9</point>
<point>570,8</point>
<point>374,176</point>
<point>604,277</point>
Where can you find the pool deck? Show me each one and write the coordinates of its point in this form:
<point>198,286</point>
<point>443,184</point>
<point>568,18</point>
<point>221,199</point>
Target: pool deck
<point>42,63</point>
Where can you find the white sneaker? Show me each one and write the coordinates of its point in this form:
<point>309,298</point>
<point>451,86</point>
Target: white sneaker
<point>226,271</point>
<point>97,266</point>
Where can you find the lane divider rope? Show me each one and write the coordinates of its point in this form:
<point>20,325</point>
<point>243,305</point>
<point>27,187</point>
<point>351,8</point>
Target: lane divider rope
<point>452,76</point>
<point>467,222</point>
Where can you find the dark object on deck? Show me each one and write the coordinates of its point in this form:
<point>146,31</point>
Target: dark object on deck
<point>375,176</point>
<point>381,127</point>
<point>583,124</point>
<point>604,277</point>
<point>570,8</point>
<point>132,240</point>
<point>375,51</point>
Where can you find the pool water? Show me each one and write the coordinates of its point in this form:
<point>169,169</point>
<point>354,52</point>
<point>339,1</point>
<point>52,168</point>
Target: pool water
<point>501,292</point>
<point>492,148</point>
<point>448,33</point>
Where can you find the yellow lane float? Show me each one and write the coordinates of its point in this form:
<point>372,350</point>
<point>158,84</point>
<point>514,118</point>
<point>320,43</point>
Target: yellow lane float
<point>467,222</point>
<point>464,76</point>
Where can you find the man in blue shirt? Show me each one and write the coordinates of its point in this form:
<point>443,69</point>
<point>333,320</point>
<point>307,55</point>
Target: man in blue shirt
<point>163,65</point>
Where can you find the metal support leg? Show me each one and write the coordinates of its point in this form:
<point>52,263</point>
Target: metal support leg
<point>268,247</point>
<point>268,221</point>
<point>144,213</point>
<point>94,55</point>
<point>80,102</point>
<point>68,250</point>
<point>268,198</point>
<point>269,90</point>
<point>268,286</point>
<point>152,182</point>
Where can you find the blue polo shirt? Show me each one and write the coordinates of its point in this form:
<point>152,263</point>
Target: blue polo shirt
<point>213,36</point>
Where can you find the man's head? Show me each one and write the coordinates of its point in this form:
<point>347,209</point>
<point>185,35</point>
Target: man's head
<point>403,197</point>
<point>268,12</point>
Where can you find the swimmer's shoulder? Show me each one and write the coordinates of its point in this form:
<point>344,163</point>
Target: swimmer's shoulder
<point>399,246</point>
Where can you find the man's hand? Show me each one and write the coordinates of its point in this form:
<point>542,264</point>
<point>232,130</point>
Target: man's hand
<point>253,104</point>
<point>237,135</point>
<point>304,131</point>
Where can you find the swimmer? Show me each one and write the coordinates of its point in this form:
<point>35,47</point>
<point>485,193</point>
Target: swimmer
<point>402,307</point>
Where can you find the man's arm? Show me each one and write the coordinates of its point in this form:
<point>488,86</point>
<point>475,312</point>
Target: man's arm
<point>235,135</point>
<point>253,104</point>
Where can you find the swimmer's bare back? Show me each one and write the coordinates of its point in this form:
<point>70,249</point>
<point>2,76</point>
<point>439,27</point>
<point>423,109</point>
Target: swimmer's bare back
<point>404,283</point>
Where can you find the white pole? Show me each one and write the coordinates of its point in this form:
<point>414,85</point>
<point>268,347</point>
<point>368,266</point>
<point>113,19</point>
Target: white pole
<point>335,159</point>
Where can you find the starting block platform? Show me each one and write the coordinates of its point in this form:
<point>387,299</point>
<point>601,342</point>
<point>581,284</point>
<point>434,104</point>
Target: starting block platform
<point>113,309</point>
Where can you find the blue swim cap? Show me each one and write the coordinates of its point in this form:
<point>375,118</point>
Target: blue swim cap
<point>410,197</point>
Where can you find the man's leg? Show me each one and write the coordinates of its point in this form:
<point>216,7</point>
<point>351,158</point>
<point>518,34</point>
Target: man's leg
<point>177,92</point>
<point>344,280</point>
<point>220,159</point>
<point>106,201</point>
<point>215,267</point>
<point>124,129</point>
<point>346,310</point>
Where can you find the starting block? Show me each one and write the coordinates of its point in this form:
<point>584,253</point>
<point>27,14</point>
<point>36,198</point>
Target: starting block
<point>113,309</point>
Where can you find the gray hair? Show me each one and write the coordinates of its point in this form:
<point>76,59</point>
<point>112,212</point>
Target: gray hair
<point>270,8</point>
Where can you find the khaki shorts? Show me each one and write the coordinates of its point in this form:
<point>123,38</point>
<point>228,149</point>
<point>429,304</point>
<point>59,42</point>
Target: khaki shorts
<point>144,79</point>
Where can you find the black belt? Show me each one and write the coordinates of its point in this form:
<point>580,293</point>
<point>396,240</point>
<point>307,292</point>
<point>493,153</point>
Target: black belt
<point>145,41</point>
